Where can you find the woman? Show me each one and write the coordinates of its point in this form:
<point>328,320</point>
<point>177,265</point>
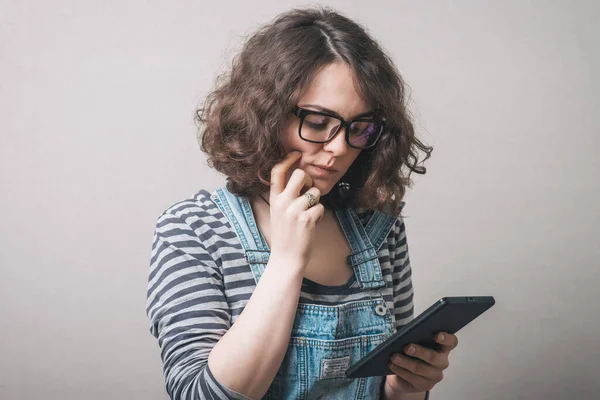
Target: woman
<point>273,286</point>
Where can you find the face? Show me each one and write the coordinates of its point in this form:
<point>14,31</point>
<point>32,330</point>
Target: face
<point>331,88</point>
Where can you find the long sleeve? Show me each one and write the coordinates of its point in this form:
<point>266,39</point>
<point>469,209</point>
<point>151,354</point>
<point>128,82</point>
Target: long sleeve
<point>187,309</point>
<point>402,282</point>
<point>401,276</point>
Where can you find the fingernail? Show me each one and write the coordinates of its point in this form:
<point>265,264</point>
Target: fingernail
<point>411,350</point>
<point>442,337</point>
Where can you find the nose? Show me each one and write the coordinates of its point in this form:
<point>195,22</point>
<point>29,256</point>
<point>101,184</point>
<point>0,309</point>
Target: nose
<point>337,144</point>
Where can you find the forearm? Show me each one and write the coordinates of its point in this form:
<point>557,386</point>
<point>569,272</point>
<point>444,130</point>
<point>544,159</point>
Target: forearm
<point>248,356</point>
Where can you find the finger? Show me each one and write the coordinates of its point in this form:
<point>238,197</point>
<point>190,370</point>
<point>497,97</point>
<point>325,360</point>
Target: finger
<point>418,382</point>
<point>430,356</point>
<point>315,213</point>
<point>302,202</point>
<point>310,215</point>
<point>448,341</point>
<point>280,169</point>
<point>417,367</point>
<point>298,181</point>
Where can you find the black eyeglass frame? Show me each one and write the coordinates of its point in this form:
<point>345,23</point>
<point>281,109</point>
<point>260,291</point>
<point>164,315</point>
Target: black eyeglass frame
<point>303,112</point>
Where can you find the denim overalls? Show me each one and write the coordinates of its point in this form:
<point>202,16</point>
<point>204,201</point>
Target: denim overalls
<point>326,340</point>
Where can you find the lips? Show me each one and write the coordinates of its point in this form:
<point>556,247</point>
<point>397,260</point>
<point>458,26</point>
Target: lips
<point>324,167</point>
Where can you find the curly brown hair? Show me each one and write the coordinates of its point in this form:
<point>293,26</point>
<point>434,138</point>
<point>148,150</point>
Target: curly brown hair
<point>241,121</point>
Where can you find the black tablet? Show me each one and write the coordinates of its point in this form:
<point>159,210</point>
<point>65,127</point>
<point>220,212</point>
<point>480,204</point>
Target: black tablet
<point>449,314</point>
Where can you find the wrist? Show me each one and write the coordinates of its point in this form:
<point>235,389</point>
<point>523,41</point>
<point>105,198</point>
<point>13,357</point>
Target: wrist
<point>286,263</point>
<point>391,391</point>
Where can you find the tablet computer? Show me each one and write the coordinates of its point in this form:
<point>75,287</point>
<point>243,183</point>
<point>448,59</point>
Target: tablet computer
<point>448,314</point>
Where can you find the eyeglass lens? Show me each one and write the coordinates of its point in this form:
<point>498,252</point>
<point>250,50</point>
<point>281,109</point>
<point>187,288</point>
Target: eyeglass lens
<point>320,128</point>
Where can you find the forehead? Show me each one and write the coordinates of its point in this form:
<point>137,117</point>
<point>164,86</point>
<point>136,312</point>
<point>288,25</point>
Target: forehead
<point>333,87</point>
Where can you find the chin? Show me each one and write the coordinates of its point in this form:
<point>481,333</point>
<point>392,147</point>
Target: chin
<point>324,189</point>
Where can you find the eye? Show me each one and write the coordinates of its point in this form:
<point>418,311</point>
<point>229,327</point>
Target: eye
<point>319,122</point>
<point>360,127</point>
<point>313,125</point>
<point>355,128</point>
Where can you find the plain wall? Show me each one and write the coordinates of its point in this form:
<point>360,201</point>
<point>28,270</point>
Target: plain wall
<point>97,138</point>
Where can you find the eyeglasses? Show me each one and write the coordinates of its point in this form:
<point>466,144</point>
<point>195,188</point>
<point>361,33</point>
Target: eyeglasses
<point>321,127</point>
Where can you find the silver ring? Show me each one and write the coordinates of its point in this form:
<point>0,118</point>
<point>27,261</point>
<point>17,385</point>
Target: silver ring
<point>312,200</point>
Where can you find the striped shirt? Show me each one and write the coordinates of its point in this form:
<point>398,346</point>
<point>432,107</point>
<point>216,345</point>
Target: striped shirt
<point>199,283</point>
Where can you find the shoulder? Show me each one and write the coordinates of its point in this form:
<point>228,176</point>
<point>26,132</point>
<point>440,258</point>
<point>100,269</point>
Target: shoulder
<point>197,205</point>
<point>196,211</point>
<point>397,227</point>
<point>196,217</point>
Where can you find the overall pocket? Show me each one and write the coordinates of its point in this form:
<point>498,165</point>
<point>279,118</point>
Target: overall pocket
<point>315,369</point>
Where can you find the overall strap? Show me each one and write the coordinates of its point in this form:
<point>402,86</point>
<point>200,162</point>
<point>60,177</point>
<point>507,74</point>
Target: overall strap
<point>238,211</point>
<point>364,244</point>
<point>377,228</point>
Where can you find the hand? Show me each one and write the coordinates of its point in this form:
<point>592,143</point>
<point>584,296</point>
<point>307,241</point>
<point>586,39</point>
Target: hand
<point>424,372</point>
<point>292,222</point>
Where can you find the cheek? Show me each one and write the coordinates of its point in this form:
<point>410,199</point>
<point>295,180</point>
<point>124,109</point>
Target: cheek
<point>289,137</point>
<point>292,141</point>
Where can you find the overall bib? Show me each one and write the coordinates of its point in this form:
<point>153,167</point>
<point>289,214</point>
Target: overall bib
<point>326,340</point>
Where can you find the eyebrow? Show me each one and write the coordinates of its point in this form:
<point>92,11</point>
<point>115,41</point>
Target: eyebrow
<point>332,112</point>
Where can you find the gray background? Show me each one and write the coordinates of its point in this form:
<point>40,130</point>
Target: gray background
<point>97,138</point>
